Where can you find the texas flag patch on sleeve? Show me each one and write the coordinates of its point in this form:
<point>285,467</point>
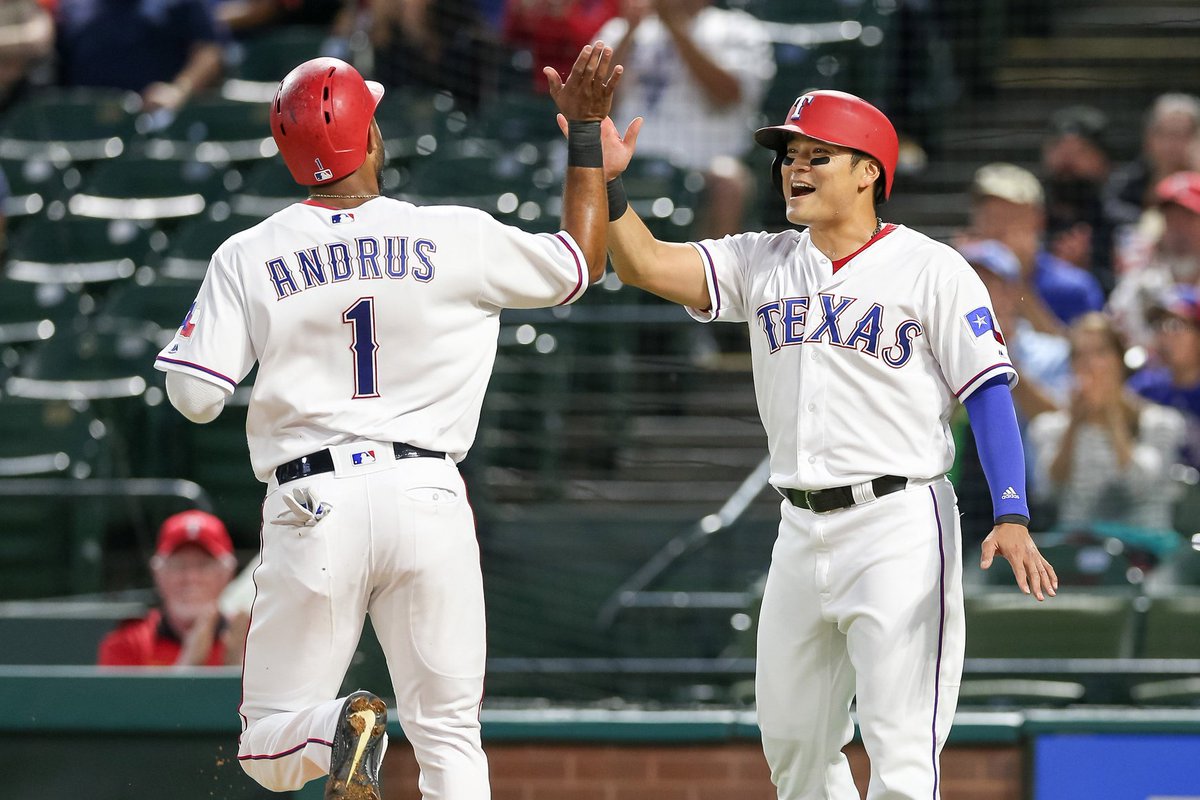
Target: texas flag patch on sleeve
<point>980,321</point>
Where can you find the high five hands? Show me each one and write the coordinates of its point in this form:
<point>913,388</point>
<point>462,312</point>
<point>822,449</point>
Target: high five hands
<point>587,94</point>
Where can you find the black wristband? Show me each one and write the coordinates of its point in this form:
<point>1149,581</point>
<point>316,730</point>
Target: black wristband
<point>618,202</point>
<point>583,144</point>
<point>1017,519</point>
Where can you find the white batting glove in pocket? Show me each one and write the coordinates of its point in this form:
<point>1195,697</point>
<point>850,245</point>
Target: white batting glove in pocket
<point>305,509</point>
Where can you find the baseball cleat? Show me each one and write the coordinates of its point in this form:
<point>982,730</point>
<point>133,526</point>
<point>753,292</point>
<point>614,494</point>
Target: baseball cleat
<point>354,765</point>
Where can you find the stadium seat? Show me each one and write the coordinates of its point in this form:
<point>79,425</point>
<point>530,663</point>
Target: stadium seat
<point>109,363</point>
<point>162,304</point>
<point>49,547</point>
<point>1170,629</point>
<point>193,243</point>
<point>51,438</point>
<point>77,251</point>
<point>1171,626</point>
<point>268,188</point>
<point>216,456</point>
<point>1009,624</point>
<point>31,312</point>
<point>33,184</point>
<point>146,189</point>
<point>63,126</point>
<point>260,62</point>
<point>214,130</point>
<point>493,183</point>
<point>515,119</point>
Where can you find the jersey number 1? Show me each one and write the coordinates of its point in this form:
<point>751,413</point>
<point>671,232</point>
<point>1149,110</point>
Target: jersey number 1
<point>361,318</point>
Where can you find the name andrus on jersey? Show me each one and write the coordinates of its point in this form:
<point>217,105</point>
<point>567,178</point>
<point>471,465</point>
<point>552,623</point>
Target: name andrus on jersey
<point>785,323</point>
<point>367,258</point>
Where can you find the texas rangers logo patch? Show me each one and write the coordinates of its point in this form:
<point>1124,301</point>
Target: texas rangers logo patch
<point>981,322</point>
<point>363,458</point>
<point>187,326</point>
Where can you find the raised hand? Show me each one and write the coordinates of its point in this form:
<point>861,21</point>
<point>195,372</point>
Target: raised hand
<point>618,149</point>
<point>587,94</point>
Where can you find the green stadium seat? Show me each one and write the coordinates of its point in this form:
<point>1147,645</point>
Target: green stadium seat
<point>1009,624</point>
<point>216,456</point>
<point>32,312</point>
<point>48,547</point>
<point>33,184</point>
<point>147,189</point>
<point>214,130</point>
<point>261,61</point>
<point>100,363</point>
<point>76,251</point>
<point>268,188</point>
<point>52,438</point>
<point>515,119</point>
<point>193,243</point>
<point>69,125</point>
<point>493,183</point>
<point>1171,626</point>
<point>1170,629</point>
<point>162,304</point>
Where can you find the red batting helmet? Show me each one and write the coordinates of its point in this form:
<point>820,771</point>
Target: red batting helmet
<point>837,118</point>
<point>321,119</point>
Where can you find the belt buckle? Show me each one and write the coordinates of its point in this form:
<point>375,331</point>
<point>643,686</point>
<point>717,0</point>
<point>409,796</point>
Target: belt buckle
<point>808,498</point>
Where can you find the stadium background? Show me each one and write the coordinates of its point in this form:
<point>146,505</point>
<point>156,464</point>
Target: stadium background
<point>617,478</point>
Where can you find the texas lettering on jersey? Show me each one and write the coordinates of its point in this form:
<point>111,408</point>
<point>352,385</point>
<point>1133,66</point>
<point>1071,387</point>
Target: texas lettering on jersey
<point>367,258</point>
<point>785,323</point>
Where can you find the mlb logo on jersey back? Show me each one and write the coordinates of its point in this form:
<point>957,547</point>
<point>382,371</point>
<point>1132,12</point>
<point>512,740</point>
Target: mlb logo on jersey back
<point>980,321</point>
<point>341,217</point>
<point>364,457</point>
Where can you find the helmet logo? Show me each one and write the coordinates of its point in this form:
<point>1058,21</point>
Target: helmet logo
<point>322,174</point>
<point>798,106</point>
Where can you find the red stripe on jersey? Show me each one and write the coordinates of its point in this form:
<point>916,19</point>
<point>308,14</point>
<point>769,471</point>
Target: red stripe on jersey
<point>884,231</point>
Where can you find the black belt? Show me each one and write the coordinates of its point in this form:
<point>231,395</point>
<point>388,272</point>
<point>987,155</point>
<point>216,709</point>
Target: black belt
<point>322,461</point>
<point>822,501</point>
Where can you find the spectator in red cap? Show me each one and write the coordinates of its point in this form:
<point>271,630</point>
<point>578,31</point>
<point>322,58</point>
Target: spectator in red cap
<point>1173,260</point>
<point>1174,377</point>
<point>192,565</point>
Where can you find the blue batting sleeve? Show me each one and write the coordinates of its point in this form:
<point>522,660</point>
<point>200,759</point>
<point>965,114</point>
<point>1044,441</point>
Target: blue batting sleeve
<point>998,440</point>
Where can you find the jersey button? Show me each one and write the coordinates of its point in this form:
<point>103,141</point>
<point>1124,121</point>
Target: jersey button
<point>812,459</point>
<point>812,406</point>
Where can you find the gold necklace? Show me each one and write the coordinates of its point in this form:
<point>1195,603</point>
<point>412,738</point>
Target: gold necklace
<point>345,196</point>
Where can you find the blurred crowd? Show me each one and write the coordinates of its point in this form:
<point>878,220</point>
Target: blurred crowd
<point>1092,261</point>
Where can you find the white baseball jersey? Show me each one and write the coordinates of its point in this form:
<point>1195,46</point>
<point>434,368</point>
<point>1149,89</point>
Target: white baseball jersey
<point>658,86</point>
<point>378,322</point>
<point>856,371</point>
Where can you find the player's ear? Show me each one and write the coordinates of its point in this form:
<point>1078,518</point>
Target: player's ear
<point>871,173</point>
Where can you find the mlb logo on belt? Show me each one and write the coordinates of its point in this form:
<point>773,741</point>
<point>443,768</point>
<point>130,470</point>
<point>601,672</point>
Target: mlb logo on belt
<point>365,457</point>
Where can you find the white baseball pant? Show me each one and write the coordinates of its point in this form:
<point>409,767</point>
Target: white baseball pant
<point>399,544</point>
<point>862,602</point>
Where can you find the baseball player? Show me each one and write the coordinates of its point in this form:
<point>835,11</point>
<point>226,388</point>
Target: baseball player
<point>374,326</point>
<point>863,336</point>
